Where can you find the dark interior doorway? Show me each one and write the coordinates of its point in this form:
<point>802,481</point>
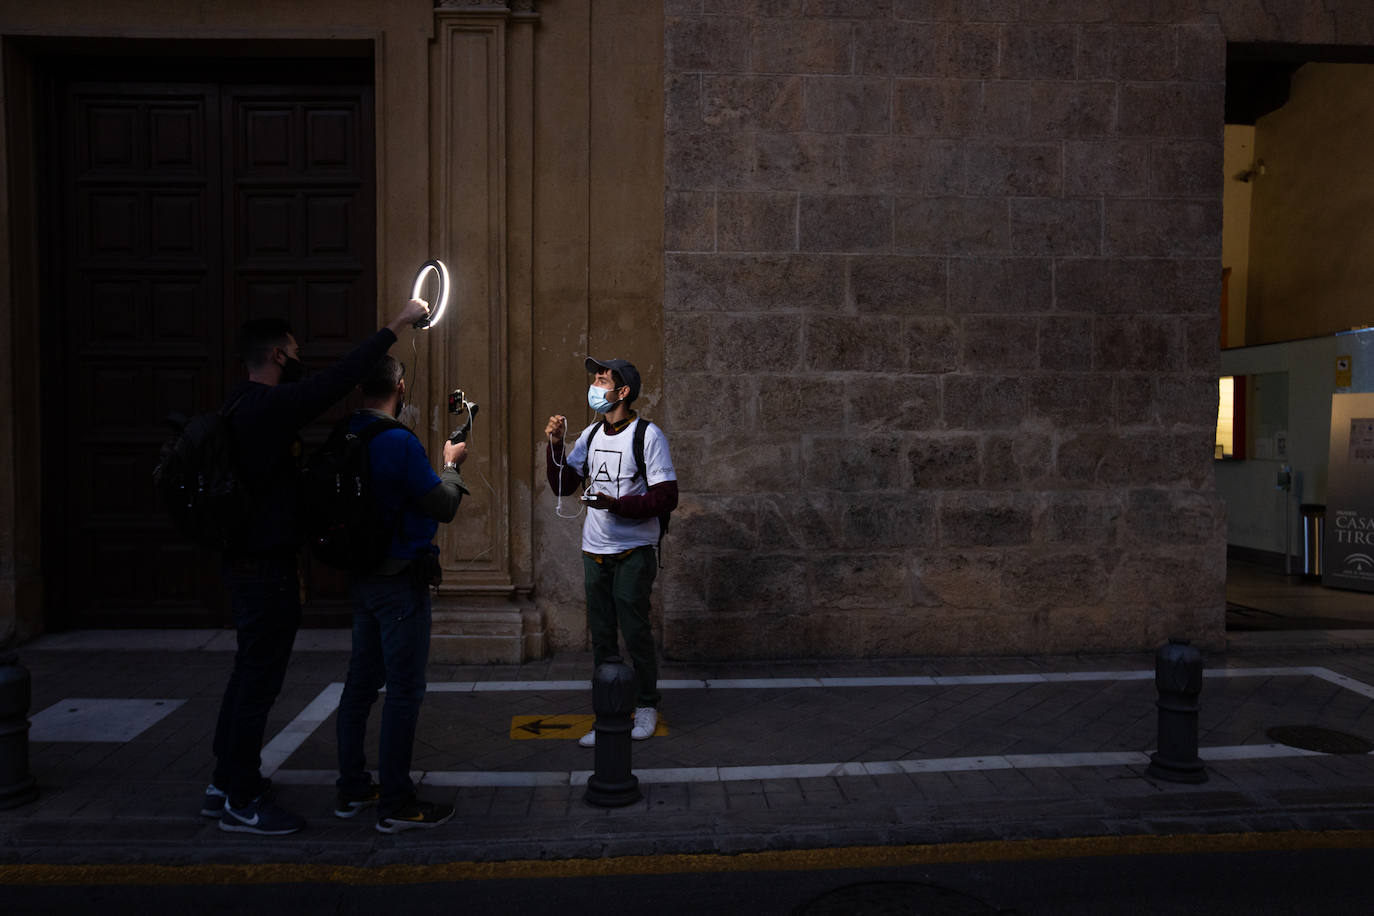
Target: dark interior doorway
<point>180,197</point>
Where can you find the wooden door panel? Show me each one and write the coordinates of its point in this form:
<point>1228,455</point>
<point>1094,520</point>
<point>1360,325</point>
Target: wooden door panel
<point>187,208</point>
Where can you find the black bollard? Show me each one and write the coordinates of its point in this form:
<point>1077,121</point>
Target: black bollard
<point>16,785</point>
<point>612,785</point>
<point>1178,678</point>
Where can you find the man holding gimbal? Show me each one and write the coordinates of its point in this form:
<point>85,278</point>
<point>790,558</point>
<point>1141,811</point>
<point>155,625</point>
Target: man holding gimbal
<point>391,609</point>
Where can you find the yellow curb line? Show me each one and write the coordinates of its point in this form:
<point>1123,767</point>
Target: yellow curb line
<point>849,857</point>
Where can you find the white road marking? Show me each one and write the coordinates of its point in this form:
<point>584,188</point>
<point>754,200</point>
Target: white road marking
<point>319,710</point>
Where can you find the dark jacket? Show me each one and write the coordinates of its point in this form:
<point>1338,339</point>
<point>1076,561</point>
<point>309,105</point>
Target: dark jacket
<point>266,421</point>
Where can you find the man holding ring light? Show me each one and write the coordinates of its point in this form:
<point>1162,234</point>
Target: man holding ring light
<point>621,531</point>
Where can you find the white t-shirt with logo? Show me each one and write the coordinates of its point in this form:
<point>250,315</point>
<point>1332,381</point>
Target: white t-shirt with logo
<point>610,464</point>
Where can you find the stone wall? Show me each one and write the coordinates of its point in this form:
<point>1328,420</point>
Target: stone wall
<point>941,308</point>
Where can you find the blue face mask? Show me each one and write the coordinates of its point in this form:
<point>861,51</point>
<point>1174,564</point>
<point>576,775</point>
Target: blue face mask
<point>596,399</point>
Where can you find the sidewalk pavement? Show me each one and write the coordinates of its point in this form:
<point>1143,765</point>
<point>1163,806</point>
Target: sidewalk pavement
<point>751,756</point>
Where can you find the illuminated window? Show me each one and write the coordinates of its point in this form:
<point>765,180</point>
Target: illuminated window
<point>1230,441</point>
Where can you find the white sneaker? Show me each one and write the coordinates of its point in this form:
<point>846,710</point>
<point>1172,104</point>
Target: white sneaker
<point>646,720</point>
<point>588,740</point>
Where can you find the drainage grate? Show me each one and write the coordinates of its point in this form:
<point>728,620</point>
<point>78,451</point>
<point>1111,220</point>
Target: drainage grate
<point>895,898</point>
<point>1326,740</point>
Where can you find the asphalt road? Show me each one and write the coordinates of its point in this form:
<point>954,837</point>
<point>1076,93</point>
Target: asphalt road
<point>1296,873</point>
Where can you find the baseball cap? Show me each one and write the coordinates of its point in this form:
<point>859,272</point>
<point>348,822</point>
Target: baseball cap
<point>629,375</point>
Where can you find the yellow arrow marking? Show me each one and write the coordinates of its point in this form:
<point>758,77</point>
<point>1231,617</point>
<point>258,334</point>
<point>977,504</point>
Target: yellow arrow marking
<point>570,725</point>
<point>565,725</point>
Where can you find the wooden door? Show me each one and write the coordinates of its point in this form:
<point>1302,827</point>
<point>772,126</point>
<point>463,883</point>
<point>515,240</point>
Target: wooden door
<point>182,208</point>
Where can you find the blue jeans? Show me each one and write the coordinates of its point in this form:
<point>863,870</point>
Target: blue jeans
<point>264,594</point>
<point>391,620</point>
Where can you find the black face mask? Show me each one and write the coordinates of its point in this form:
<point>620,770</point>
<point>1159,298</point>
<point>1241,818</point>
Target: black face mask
<point>292,370</point>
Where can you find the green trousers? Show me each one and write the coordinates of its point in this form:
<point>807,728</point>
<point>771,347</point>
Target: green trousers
<point>618,590</point>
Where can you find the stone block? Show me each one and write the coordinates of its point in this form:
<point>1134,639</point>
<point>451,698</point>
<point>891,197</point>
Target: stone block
<point>986,519</point>
<point>1136,404</point>
<point>936,107</point>
<point>708,160</point>
<point>1054,578</point>
<point>1202,52</point>
<point>674,8</point>
<point>1147,458</point>
<point>1087,518</point>
<point>742,463</point>
<point>1142,343</point>
<point>1105,168</point>
<point>897,402</point>
<point>1186,168</point>
<point>685,339</point>
<point>1014,169</point>
<point>902,166</point>
<point>932,344</point>
<point>996,344</point>
<point>751,283</point>
<point>1188,400</point>
<point>1128,52</point>
<point>1055,227</point>
<point>980,286</point>
<point>1129,285</point>
<point>731,102</point>
<point>1020,460</point>
<point>962,579</point>
<point>756,221</point>
<point>848,104</point>
<point>847,581</point>
<point>750,581</point>
<point>800,521</point>
<point>888,521</point>
<point>1202,340</point>
<point>682,584</point>
<point>689,220</point>
<point>945,462</point>
<point>848,9</point>
<point>951,225</point>
<point>1053,110</point>
<point>1072,401</point>
<point>1038,52</point>
<point>1184,110</point>
<point>1163,578</point>
<point>845,223</point>
<point>1065,343</point>
<point>1297,22</point>
<point>1174,517</point>
<point>802,46</point>
<point>766,9</point>
<point>714,44</point>
<point>968,50</point>
<point>897,49</point>
<point>854,463</point>
<point>981,402</point>
<point>847,343</point>
<point>720,523</point>
<point>756,343</point>
<point>793,403</point>
<point>1067,10</point>
<point>785,632</point>
<point>682,102</point>
<point>707,400</point>
<point>798,162</point>
<point>898,286</point>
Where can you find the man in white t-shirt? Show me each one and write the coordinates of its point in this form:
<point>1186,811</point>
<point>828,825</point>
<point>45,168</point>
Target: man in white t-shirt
<point>630,483</point>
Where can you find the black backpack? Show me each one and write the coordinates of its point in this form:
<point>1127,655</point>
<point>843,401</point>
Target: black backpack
<point>343,521</point>
<point>198,482</point>
<point>637,447</point>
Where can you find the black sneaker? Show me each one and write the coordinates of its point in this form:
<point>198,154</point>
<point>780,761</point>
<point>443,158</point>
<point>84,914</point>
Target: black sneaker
<point>347,804</point>
<point>261,817</point>
<point>416,814</point>
<point>212,805</point>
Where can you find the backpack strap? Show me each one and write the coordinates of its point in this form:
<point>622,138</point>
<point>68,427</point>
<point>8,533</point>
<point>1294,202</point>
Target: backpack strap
<point>641,424</point>
<point>590,433</point>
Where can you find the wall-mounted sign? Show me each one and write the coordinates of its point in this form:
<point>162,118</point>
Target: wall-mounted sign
<point>1349,528</point>
<point>1343,371</point>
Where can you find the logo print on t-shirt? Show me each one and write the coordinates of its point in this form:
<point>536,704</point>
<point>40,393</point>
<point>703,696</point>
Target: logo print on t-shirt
<point>606,471</point>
